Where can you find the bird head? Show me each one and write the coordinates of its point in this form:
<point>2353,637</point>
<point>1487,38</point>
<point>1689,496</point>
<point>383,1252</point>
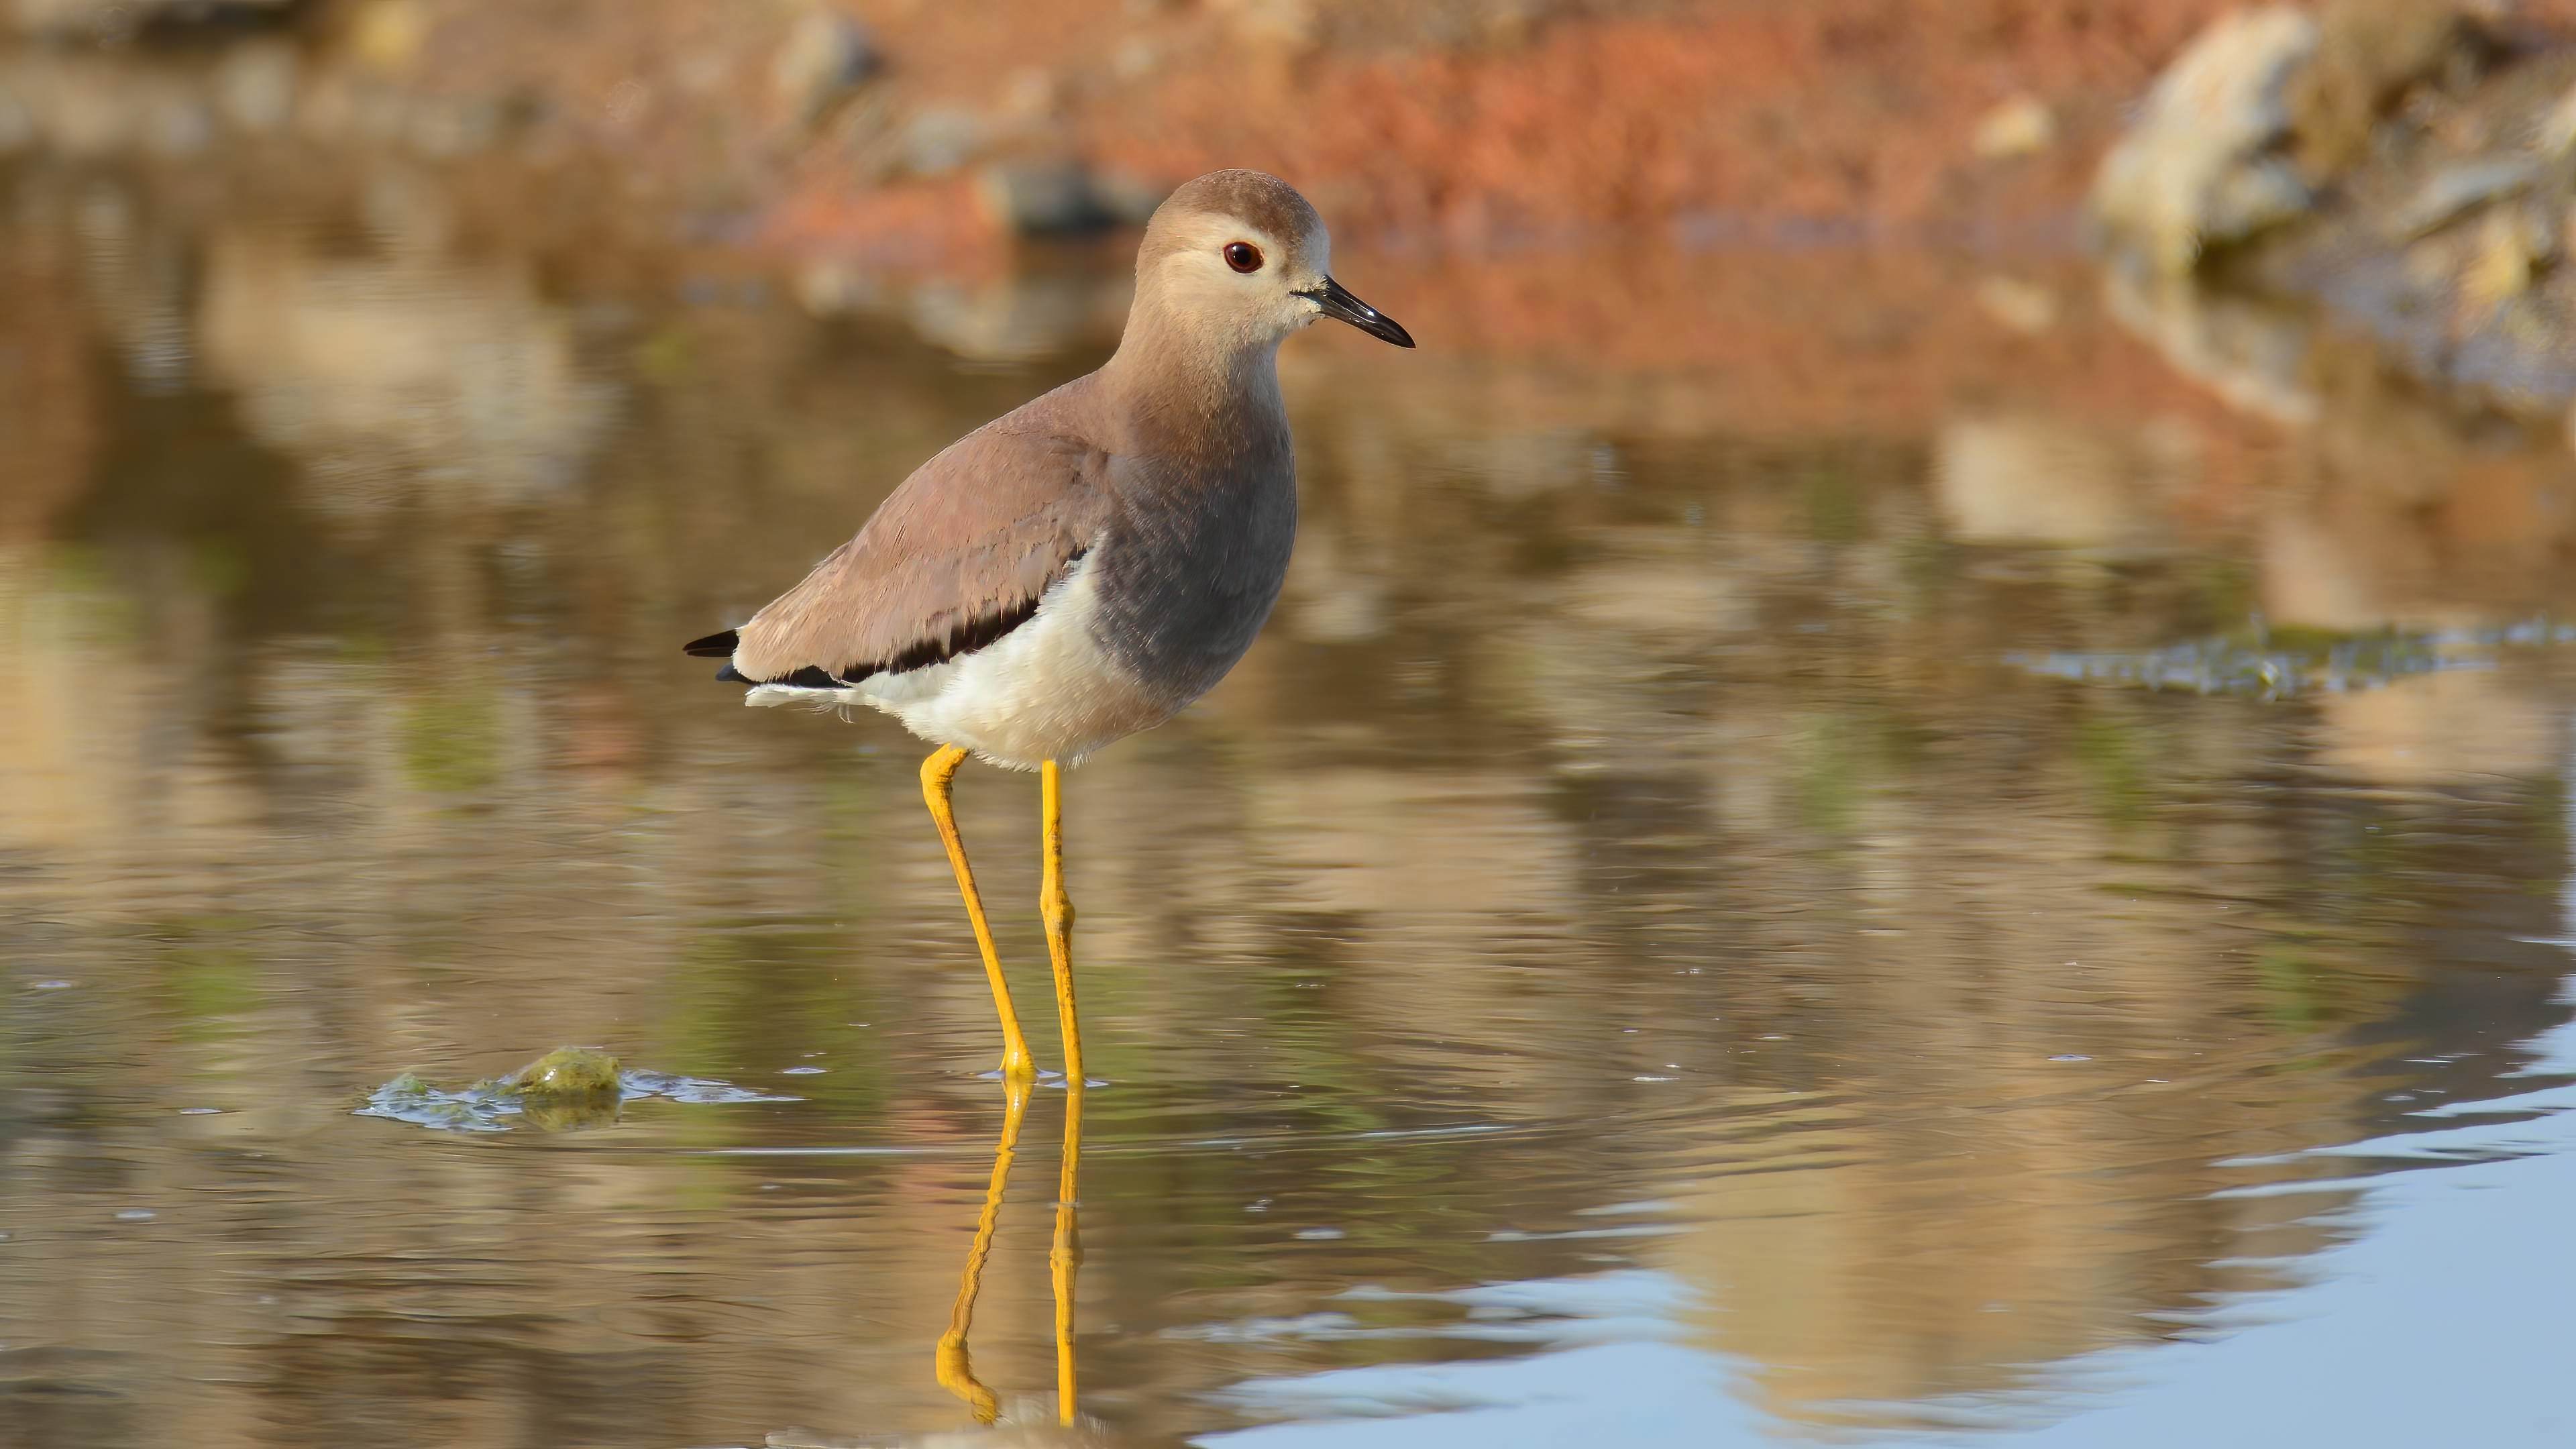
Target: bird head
<point>1240,259</point>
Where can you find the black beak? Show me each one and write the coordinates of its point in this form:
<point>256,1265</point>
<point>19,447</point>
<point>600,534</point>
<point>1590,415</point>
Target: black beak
<point>1338,303</point>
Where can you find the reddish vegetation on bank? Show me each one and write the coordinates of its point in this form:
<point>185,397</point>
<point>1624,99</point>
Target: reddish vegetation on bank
<point>1737,117</point>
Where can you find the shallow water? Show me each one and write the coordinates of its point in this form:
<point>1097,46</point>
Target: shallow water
<point>1832,848</point>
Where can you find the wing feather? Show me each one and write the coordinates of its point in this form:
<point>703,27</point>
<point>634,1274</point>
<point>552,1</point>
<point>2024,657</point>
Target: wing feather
<point>955,558</point>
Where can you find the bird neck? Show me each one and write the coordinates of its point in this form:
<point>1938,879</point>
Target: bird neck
<point>1195,382</point>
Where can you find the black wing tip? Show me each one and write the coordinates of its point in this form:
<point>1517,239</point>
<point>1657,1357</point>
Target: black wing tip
<point>810,677</point>
<point>721,646</point>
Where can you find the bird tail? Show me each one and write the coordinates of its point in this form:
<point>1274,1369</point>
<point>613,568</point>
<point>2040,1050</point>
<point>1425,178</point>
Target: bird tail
<point>714,646</point>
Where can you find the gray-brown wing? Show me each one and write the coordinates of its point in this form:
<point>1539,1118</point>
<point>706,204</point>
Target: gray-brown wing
<point>955,558</point>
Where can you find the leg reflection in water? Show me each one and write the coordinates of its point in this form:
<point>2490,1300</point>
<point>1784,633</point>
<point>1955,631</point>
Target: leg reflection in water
<point>955,1369</point>
<point>1066,1254</point>
<point>956,1374</point>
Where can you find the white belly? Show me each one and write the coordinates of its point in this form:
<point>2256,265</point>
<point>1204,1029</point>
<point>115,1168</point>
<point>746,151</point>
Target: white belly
<point>1044,691</point>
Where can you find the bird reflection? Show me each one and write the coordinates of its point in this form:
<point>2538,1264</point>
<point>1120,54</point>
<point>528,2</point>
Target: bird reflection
<point>954,1366</point>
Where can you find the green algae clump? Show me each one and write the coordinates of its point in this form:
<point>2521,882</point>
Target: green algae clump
<point>570,1071</point>
<point>567,1088</point>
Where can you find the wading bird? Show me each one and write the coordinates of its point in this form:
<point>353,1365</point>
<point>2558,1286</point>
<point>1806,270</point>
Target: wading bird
<point>1086,565</point>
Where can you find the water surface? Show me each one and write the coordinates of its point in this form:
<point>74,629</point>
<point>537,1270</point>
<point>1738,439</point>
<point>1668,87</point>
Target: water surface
<point>1692,925</point>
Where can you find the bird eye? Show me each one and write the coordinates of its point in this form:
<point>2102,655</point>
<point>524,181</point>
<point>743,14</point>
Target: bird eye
<point>1243,256</point>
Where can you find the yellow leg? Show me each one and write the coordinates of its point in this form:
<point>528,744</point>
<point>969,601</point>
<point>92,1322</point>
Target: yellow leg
<point>955,1373</point>
<point>937,773</point>
<point>1057,908</point>
<point>1066,1255</point>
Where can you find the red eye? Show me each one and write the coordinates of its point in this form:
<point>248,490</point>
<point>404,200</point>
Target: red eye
<point>1243,256</point>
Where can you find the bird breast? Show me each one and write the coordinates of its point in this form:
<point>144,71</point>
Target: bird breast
<point>1189,579</point>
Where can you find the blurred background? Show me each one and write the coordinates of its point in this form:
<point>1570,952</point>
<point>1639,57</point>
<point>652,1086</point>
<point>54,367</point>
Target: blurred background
<point>1913,784</point>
